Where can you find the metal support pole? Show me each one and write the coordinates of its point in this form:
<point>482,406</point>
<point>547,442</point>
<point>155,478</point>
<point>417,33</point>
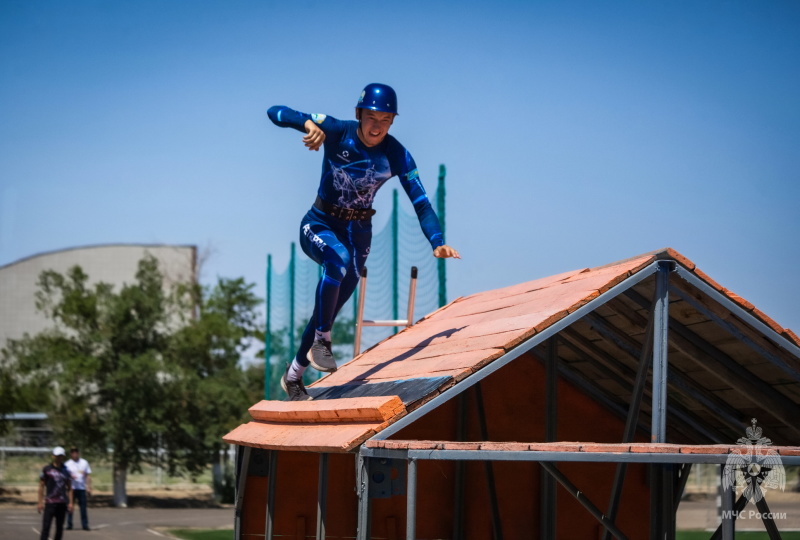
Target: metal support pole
<point>460,465</point>
<point>322,495</point>
<point>581,497</point>
<point>411,501</point>
<point>497,530</point>
<point>658,421</point>
<point>667,499</point>
<point>243,457</point>
<point>656,517</point>
<point>362,485</point>
<point>273,471</point>
<point>728,526</point>
<point>658,429</point>
<point>548,500</point>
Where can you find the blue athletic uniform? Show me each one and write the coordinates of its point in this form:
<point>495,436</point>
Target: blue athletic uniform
<point>352,173</point>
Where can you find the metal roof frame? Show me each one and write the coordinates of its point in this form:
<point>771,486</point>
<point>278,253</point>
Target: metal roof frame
<point>666,478</point>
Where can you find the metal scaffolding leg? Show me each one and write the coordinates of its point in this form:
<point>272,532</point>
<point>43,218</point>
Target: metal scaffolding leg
<point>411,500</point>
<point>458,495</point>
<point>362,483</point>
<point>658,429</point>
<point>661,481</point>
<point>728,526</point>
<point>273,471</point>
<point>243,458</point>
<point>497,530</point>
<point>322,495</point>
<point>547,506</point>
<point>667,500</point>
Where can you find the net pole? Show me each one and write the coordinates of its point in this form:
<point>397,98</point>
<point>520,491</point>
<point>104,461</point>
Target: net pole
<point>292,271</point>
<point>440,263</point>
<point>395,262</point>
<point>268,332</point>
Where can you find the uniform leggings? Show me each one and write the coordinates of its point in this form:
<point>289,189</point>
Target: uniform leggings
<point>341,248</point>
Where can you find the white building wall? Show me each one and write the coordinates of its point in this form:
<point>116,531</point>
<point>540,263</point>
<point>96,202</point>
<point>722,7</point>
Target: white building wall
<point>113,264</point>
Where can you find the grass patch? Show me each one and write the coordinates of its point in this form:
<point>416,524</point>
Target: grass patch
<point>195,534</point>
<point>23,470</point>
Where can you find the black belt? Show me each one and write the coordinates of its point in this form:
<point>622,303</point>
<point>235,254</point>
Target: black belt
<point>347,214</point>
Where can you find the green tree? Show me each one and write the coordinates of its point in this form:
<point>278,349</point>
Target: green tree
<point>213,388</point>
<point>150,373</point>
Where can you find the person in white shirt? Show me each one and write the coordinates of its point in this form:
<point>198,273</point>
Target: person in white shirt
<point>81,473</point>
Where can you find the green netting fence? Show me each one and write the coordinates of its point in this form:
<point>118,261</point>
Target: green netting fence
<point>395,249</point>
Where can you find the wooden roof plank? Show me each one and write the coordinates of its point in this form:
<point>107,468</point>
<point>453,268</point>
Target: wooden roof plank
<point>329,437</point>
<point>356,409</point>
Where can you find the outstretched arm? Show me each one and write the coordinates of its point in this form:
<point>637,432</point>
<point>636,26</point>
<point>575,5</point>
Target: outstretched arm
<point>428,220</point>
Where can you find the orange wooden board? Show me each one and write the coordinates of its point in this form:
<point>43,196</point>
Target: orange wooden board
<point>328,437</point>
<point>359,409</point>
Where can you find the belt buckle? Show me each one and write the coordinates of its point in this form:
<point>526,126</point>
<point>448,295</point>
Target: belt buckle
<point>349,214</point>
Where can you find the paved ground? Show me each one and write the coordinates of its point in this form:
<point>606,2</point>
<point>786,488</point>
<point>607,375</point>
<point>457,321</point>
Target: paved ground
<point>20,522</point>
<point>23,522</point>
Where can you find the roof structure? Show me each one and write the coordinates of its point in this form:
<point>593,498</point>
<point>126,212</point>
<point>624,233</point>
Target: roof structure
<point>728,362</point>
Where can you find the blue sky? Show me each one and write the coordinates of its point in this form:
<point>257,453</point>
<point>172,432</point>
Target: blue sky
<point>574,133</point>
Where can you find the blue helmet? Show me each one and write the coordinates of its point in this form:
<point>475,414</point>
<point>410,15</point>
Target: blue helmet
<point>378,97</point>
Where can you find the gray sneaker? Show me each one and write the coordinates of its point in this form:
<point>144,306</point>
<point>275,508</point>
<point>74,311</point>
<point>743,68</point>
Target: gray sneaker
<point>295,390</point>
<point>321,357</point>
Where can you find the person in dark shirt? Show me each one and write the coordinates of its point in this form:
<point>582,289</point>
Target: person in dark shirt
<point>55,494</point>
<point>359,157</point>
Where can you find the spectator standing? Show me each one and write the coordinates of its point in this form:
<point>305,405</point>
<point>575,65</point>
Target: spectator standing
<point>55,494</point>
<point>81,474</point>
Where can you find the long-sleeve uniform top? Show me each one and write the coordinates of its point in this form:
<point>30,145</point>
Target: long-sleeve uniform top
<point>352,172</point>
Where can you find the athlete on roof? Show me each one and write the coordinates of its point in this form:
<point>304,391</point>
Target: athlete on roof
<point>359,157</point>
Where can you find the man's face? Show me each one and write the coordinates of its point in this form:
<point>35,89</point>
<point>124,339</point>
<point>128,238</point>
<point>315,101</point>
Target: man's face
<point>374,126</point>
<point>74,455</point>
